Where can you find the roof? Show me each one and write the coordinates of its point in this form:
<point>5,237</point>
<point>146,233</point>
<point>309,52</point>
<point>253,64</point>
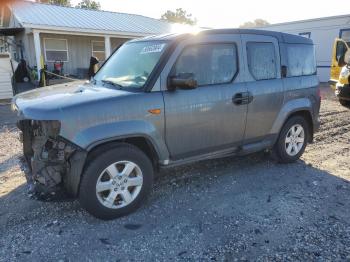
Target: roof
<point>308,20</point>
<point>282,37</point>
<point>38,15</point>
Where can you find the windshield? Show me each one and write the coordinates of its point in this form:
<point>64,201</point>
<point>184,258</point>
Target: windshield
<point>132,64</point>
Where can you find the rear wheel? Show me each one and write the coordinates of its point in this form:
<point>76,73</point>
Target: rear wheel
<point>292,140</point>
<point>116,182</point>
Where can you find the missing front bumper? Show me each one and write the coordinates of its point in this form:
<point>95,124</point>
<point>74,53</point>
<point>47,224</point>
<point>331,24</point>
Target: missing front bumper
<point>48,155</point>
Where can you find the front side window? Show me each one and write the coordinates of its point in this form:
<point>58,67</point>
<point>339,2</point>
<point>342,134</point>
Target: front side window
<point>132,64</point>
<point>209,63</point>
<point>301,60</point>
<point>341,49</point>
<point>56,50</point>
<point>262,60</point>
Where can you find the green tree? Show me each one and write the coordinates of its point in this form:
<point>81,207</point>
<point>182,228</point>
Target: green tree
<point>256,23</point>
<point>55,2</point>
<point>179,16</point>
<point>89,4</point>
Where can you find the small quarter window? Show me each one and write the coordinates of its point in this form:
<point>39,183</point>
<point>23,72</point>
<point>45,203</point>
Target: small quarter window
<point>262,60</point>
<point>306,34</point>
<point>340,51</point>
<point>209,63</point>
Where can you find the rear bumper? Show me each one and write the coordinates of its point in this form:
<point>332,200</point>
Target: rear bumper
<point>343,92</point>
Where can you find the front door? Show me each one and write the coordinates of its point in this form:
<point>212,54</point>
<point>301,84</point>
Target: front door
<point>212,116</point>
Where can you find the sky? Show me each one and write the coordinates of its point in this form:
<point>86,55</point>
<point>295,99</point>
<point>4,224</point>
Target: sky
<point>231,13</point>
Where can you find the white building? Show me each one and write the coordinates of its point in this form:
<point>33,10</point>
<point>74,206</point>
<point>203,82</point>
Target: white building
<point>322,31</point>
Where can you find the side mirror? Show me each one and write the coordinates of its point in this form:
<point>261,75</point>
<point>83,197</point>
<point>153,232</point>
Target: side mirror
<point>182,81</point>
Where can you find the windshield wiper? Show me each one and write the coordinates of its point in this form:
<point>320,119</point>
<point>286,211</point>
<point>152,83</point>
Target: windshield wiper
<point>112,83</point>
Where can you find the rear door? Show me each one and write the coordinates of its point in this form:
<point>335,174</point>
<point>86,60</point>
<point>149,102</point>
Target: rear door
<point>264,84</point>
<point>208,118</point>
<point>339,49</point>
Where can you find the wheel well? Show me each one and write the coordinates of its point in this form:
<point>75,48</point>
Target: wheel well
<point>141,143</point>
<point>307,116</point>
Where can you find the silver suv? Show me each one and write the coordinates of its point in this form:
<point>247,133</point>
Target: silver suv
<point>169,100</point>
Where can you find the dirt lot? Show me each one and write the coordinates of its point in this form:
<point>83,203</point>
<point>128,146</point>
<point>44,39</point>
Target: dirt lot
<point>244,208</point>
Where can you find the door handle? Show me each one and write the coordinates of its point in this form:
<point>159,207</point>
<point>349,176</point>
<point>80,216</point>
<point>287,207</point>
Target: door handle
<point>237,99</point>
<point>242,98</point>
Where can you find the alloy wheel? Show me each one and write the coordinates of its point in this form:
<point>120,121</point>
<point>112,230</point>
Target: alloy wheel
<point>119,184</point>
<point>295,140</point>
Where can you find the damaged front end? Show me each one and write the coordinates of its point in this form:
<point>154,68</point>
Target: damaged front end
<point>49,157</point>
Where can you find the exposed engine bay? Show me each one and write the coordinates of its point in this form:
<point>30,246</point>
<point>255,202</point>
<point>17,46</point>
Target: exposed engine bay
<point>47,155</point>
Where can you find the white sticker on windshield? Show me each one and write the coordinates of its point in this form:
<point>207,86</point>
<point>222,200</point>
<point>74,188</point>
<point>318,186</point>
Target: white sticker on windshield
<point>152,49</point>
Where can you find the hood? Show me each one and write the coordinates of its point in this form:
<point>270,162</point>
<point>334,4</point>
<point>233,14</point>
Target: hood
<point>49,103</point>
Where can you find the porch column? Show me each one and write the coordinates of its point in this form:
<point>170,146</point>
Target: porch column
<point>107,46</point>
<point>37,47</point>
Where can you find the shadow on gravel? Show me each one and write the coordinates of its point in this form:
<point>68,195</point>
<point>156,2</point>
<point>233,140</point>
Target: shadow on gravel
<point>225,208</point>
<point>9,163</point>
<point>7,117</point>
<point>257,171</point>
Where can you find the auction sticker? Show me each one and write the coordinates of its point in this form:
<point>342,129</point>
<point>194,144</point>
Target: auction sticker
<point>152,49</point>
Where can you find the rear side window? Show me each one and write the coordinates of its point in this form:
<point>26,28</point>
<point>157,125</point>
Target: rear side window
<point>262,60</point>
<point>209,63</point>
<point>301,60</point>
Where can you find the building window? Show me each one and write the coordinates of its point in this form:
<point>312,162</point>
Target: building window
<point>2,13</point>
<point>98,50</point>
<point>4,46</point>
<point>209,63</point>
<point>305,34</point>
<point>345,34</point>
<point>55,50</point>
<point>262,60</point>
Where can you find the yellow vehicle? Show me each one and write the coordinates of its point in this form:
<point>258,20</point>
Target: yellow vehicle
<point>339,49</point>
<point>340,71</point>
<point>342,88</point>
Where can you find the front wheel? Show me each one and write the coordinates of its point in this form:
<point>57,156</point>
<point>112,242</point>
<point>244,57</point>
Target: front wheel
<point>292,140</point>
<point>116,182</point>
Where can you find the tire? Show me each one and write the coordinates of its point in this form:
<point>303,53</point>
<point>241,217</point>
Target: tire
<point>290,152</point>
<point>345,103</point>
<point>110,175</point>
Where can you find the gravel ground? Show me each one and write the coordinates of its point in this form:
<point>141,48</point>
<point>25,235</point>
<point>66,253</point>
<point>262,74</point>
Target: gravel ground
<point>241,208</point>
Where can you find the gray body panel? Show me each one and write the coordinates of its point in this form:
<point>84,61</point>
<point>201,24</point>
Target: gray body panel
<point>192,123</point>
